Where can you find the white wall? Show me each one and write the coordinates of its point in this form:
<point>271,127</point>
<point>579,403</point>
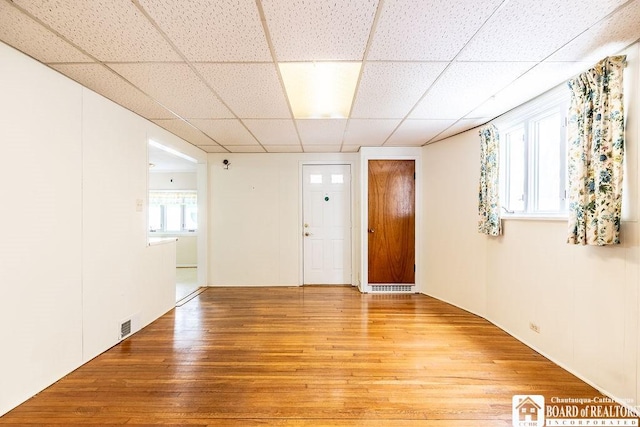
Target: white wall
<point>632,88</point>
<point>584,299</point>
<point>116,284</point>
<point>203,222</point>
<point>41,217</point>
<point>74,261</point>
<point>173,181</point>
<point>187,251</point>
<point>454,263</point>
<point>255,224</point>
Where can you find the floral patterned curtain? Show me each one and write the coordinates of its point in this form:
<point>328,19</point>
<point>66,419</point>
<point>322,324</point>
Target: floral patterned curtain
<point>595,139</point>
<point>173,198</point>
<point>488,196</point>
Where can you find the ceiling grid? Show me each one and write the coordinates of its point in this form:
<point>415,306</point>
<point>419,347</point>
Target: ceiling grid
<point>209,71</point>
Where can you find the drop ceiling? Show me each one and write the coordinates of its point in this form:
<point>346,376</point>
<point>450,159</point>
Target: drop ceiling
<point>163,161</point>
<point>207,70</point>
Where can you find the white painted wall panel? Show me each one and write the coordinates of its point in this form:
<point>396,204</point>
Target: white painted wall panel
<point>122,277</point>
<point>173,181</point>
<point>455,254</point>
<point>632,303</point>
<point>115,176</point>
<point>255,222</point>
<point>187,251</point>
<point>529,280</point>
<point>40,249</point>
<point>74,259</point>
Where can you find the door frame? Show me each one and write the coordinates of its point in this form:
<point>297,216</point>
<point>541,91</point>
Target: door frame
<point>159,136</point>
<point>388,153</point>
<point>354,175</point>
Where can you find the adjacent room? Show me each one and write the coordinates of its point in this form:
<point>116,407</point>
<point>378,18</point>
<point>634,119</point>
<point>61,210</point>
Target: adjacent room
<point>173,211</point>
<point>333,212</point>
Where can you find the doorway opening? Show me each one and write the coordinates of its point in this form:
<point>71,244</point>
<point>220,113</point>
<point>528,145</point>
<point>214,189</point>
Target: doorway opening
<point>173,210</point>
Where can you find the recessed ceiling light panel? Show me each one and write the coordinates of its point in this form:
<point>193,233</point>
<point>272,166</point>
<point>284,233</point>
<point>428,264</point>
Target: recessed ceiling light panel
<point>320,89</point>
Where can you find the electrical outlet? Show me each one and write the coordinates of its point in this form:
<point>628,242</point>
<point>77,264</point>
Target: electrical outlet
<point>535,328</point>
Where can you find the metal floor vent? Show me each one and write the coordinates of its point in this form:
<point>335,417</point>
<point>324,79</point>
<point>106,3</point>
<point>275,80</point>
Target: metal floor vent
<point>391,288</point>
<point>125,329</point>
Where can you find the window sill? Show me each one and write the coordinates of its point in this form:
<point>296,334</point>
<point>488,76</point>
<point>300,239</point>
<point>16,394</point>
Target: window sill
<point>160,241</point>
<point>534,217</point>
<point>172,234</point>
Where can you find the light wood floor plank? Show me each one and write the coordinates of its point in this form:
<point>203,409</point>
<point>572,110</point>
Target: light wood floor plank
<point>311,356</point>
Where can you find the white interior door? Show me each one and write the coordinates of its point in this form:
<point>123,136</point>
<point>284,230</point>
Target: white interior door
<point>326,199</point>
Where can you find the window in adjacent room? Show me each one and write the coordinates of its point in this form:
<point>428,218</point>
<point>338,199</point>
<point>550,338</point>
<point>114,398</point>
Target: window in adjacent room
<point>173,212</point>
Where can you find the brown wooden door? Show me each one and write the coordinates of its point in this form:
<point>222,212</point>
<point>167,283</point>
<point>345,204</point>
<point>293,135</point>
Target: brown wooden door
<point>391,221</point>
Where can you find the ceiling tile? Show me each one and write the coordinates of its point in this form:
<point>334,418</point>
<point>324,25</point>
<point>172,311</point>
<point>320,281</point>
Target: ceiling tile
<point>369,132</point>
<point>464,86</point>
<point>321,131</point>
<point>226,132</point>
<point>177,87</point>
<point>435,30</point>
<point>530,31</point>
<point>274,132</point>
<point>250,90</point>
<point>108,30</point>
<point>216,31</point>
<point>212,149</point>
<point>25,34</point>
<point>245,148</point>
<point>412,133</point>
<point>322,148</point>
<point>185,131</point>
<point>350,148</point>
<point>534,82</point>
<point>105,82</point>
<point>605,38</point>
<point>459,127</point>
<point>391,89</point>
<point>320,29</point>
<point>283,149</point>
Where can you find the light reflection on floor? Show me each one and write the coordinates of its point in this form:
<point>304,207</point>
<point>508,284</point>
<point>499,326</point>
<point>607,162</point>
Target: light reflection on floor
<point>186,281</point>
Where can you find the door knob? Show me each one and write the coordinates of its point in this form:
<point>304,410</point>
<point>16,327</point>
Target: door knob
<point>308,234</point>
<point>371,230</point>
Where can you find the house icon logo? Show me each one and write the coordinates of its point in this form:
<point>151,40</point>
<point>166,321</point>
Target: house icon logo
<point>528,410</point>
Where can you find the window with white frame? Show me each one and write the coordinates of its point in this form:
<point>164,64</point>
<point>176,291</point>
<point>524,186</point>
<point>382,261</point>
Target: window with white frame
<point>533,158</point>
<point>173,212</point>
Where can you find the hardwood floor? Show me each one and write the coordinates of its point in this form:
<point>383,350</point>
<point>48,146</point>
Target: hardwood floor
<point>311,356</point>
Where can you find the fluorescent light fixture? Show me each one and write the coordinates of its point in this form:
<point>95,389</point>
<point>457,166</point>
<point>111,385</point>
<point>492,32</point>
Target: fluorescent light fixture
<point>320,89</point>
<point>171,151</point>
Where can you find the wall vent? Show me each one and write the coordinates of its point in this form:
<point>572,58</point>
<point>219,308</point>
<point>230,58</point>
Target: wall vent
<point>125,329</point>
<point>392,288</point>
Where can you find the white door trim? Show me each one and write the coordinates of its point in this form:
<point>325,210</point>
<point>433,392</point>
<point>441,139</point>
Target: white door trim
<point>387,153</point>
